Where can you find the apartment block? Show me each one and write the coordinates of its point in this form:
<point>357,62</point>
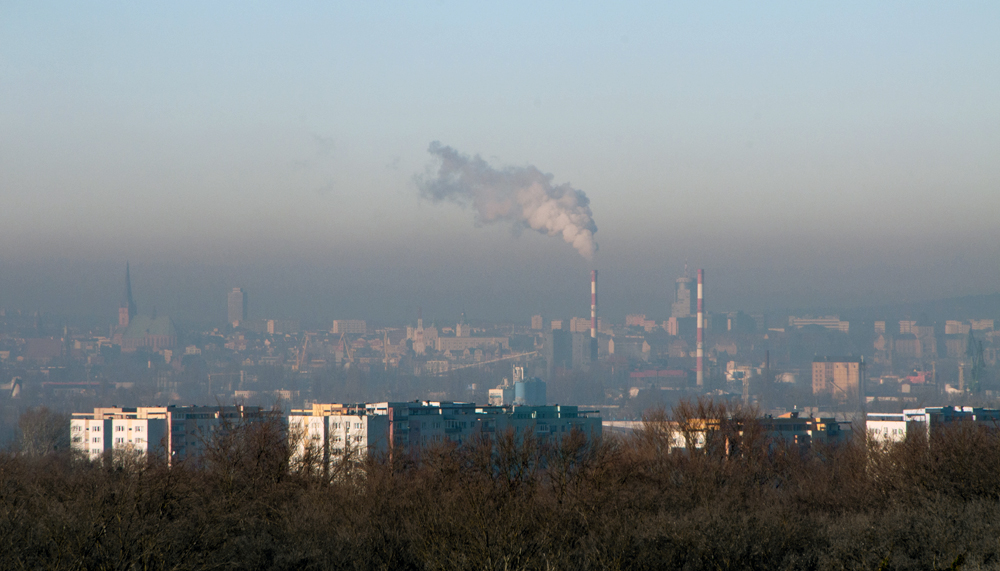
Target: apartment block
<point>172,432</point>
<point>331,430</point>
<point>840,377</point>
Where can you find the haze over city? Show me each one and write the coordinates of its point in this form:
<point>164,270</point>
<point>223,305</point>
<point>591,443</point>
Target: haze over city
<point>510,285</point>
<point>806,156</point>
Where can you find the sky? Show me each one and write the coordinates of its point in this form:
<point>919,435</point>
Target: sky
<point>804,154</point>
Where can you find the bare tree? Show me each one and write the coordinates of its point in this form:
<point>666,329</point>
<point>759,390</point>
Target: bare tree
<point>43,431</point>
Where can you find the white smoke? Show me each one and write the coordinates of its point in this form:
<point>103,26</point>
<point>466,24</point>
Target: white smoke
<point>523,196</point>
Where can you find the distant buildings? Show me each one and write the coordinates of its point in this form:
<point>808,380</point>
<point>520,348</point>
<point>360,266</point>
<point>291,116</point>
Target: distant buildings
<point>954,327</point>
<point>141,331</point>
<point>830,322</point>
<point>460,344</point>
<point>522,391</point>
<point>237,306</point>
<point>155,333</point>
<point>558,351</point>
<point>463,340</point>
<point>584,351</point>
<point>462,328</point>
<point>839,377</point>
<point>349,326</point>
<point>639,320</point>
<point>579,325</point>
<point>685,301</point>
<point>127,309</point>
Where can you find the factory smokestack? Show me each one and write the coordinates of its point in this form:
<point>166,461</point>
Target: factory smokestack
<point>593,304</point>
<point>521,196</point>
<point>700,355</point>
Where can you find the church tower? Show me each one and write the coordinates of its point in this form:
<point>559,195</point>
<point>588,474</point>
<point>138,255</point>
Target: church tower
<point>126,311</point>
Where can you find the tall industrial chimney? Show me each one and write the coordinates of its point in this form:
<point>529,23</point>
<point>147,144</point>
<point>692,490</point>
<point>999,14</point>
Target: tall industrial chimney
<point>701,329</point>
<point>593,304</point>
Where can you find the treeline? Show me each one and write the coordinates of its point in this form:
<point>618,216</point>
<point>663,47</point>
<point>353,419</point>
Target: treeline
<point>741,502</point>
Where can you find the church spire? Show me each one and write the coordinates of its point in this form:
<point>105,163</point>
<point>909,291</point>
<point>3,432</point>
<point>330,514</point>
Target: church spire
<point>127,309</point>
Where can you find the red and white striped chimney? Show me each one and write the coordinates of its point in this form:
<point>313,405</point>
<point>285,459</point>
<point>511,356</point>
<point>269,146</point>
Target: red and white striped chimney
<point>701,330</point>
<point>593,304</point>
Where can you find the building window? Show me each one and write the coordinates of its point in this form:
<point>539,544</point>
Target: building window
<point>119,428</point>
<point>138,429</point>
<point>97,429</point>
<point>97,439</point>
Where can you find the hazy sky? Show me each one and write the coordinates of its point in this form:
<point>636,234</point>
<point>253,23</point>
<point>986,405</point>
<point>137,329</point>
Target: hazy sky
<point>803,154</point>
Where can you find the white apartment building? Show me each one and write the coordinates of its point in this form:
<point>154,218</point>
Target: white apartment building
<point>334,430</point>
<point>886,427</point>
<point>172,432</point>
<point>894,427</point>
<point>143,430</point>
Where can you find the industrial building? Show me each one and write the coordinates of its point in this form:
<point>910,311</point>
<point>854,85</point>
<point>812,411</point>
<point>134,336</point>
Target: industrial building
<point>522,391</point>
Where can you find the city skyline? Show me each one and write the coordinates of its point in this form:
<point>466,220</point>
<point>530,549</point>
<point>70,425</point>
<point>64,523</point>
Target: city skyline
<point>441,284</point>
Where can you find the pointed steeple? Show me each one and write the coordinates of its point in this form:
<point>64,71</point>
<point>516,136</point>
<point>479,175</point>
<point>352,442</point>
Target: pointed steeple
<point>127,309</point>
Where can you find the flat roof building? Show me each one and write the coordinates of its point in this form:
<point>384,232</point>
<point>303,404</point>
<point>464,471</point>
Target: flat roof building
<point>895,427</point>
<point>237,302</point>
<point>333,431</point>
<point>171,432</point>
<point>839,377</point>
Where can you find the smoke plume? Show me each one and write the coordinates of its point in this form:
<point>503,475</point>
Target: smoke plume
<point>522,196</point>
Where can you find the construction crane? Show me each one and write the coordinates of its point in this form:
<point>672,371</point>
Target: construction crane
<point>301,357</point>
<point>345,342</point>
<point>385,349</point>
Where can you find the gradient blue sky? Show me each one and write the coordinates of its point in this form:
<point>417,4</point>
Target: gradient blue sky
<point>804,153</point>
